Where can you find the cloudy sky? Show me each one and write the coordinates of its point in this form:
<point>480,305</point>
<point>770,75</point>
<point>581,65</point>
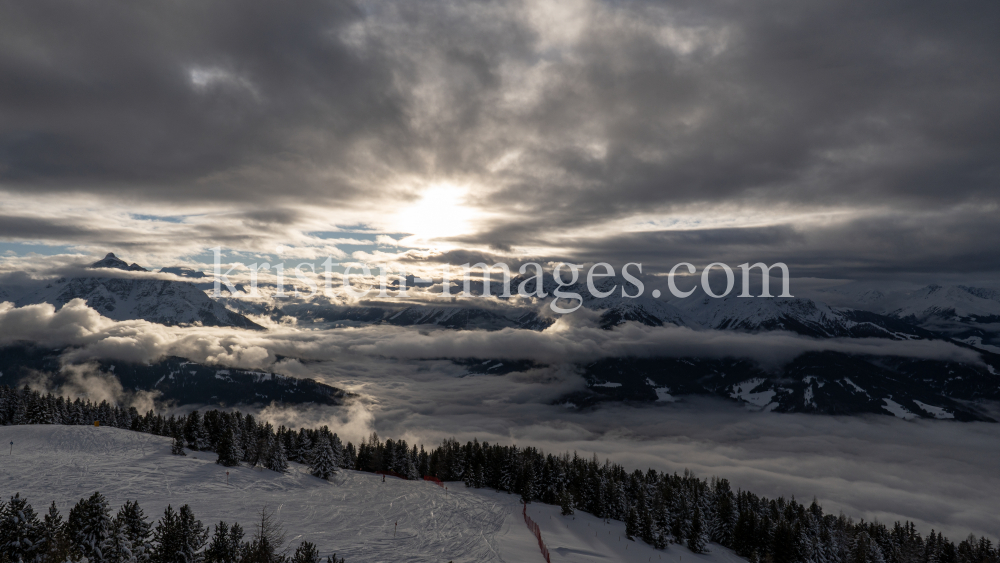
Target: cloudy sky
<point>848,139</point>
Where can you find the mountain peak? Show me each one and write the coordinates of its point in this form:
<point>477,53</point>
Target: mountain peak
<point>112,261</point>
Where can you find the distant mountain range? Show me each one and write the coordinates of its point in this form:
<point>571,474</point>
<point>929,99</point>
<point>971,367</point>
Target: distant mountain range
<point>160,301</point>
<point>898,317</point>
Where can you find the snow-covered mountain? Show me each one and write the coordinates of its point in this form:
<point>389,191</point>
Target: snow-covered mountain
<point>952,302</point>
<point>799,315</point>
<point>126,298</point>
<point>112,261</point>
<point>457,317</point>
<point>617,309</point>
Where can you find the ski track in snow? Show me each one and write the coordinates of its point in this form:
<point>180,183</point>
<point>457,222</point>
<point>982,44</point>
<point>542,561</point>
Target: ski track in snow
<point>354,515</point>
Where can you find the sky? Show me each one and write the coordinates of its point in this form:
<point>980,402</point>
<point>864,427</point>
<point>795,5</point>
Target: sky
<point>850,140</point>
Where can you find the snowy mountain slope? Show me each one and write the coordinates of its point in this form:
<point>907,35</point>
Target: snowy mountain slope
<point>465,318</point>
<point>961,301</point>
<point>356,515</point>
<point>799,315</point>
<point>159,301</point>
<point>617,309</point>
<point>200,280</point>
<point>816,382</point>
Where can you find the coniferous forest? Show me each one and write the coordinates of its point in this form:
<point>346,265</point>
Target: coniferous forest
<point>657,508</point>
<point>90,534</point>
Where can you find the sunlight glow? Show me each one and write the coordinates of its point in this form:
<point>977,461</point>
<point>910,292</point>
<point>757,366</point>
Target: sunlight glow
<point>441,212</point>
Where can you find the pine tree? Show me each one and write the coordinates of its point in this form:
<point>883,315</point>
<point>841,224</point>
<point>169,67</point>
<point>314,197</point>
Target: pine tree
<point>276,459</point>
<point>179,537</point>
<point>306,553</point>
<point>679,518</point>
<point>19,529</point>
<point>201,437</point>
<point>222,549</point>
<point>137,530</point>
<point>55,544</point>
<point>177,447</point>
<point>865,550</point>
<point>351,458</point>
<point>697,538</point>
<point>191,424</point>
<point>118,548</point>
<point>304,445</point>
<point>528,483</point>
<point>228,455</point>
<point>338,450</point>
<point>323,465</point>
<point>632,524</point>
<point>89,527</point>
<point>724,514</point>
<point>566,502</point>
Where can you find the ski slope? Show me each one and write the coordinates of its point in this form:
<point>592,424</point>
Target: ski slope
<point>354,516</point>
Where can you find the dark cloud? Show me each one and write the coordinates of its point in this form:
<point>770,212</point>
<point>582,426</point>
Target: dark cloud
<point>928,245</point>
<point>186,100</point>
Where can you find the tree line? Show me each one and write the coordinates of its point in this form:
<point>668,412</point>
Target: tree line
<point>90,534</point>
<point>656,507</point>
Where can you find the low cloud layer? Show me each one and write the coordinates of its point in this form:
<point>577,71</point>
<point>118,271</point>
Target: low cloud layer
<point>89,383</point>
<point>572,339</point>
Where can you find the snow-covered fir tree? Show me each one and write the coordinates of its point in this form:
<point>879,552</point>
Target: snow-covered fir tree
<point>137,530</point>
<point>304,447</point>
<point>89,527</point>
<point>697,539</point>
<point>54,543</point>
<point>19,530</point>
<point>227,544</point>
<point>323,465</point>
<point>226,448</point>
<point>276,460</point>
<point>338,450</point>
<point>177,446</point>
<point>179,537</point>
<point>118,548</point>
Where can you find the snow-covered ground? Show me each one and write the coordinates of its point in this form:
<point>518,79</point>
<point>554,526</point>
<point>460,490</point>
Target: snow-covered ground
<point>355,516</point>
